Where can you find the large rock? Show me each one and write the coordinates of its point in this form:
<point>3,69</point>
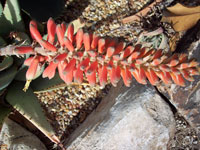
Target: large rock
<point>17,138</point>
<point>134,118</point>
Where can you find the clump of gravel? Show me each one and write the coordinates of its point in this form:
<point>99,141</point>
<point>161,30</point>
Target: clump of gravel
<point>185,136</point>
<point>104,17</point>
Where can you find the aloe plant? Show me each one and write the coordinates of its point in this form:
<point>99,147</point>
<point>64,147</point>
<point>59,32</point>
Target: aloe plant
<point>79,57</point>
<point>12,72</point>
<point>10,17</point>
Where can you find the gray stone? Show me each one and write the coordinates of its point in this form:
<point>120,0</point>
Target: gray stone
<point>134,118</point>
<point>18,138</point>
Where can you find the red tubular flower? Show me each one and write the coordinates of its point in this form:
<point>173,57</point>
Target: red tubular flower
<point>87,41</point>
<point>164,76</point>
<point>48,45</point>
<point>78,75</point>
<point>79,38</point>
<point>110,51</point>
<point>70,66</point>
<point>177,78</point>
<point>60,34</point>
<point>151,76</point>
<point>31,72</point>
<point>61,67</point>
<point>28,61</point>
<point>103,75</point>
<point>84,64</point>
<point>126,76</point>
<point>51,30</point>
<point>127,52</point>
<point>95,40</point>
<point>91,78</point>
<point>70,32</point>
<point>68,44</point>
<point>115,75</point>
<point>63,26</point>
<point>50,70</point>
<point>34,31</point>
<point>92,68</point>
<point>34,24</point>
<point>102,60</point>
<point>101,45</point>
<point>68,78</point>
<point>60,57</point>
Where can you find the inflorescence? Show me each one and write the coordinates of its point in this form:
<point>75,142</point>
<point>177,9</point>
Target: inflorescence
<point>99,60</point>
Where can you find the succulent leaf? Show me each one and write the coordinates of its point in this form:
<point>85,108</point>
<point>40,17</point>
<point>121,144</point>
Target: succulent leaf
<point>7,76</point>
<point>27,104</point>
<point>2,42</point>
<point>4,112</point>
<point>11,18</point>
<point>1,9</point>
<point>44,83</point>
<point>6,63</point>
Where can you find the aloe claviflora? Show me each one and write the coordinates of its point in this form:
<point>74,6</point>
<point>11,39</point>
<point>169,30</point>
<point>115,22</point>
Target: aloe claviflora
<point>99,60</point>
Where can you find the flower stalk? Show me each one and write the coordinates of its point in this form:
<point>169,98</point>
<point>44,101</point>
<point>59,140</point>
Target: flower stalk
<point>100,60</point>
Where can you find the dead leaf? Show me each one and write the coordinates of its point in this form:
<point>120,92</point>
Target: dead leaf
<point>181,17</point>
<point>173,41</point>
<point>78,23</point>
<point>179,9</point>
<point>143,12</point>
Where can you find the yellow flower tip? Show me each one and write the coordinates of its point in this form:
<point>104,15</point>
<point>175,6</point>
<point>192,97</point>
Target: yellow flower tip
<point>26,85</point>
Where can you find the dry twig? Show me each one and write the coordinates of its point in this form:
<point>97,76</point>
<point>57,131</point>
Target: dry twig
<point>143,12</point>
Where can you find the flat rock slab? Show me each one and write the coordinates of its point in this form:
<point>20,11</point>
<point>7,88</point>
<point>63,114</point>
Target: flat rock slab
<point>127,119</point>
<point>187,99</point>
<point>14,137</point>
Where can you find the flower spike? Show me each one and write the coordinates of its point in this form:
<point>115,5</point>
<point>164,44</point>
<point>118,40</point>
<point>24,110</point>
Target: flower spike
<point>101,60</point>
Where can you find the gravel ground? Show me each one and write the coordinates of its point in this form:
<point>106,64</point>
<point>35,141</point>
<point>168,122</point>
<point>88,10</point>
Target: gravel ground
<point>68,107</point>
<point>185,137</point>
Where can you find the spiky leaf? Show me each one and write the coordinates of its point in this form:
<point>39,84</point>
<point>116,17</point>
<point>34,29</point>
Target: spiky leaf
<point>7,62</point>
<point>7,76</point>
<point>1,9</point>
<point>28,105</point>
<point>2,42</point>
<point>11,18</point>
<point>4,112</point>
<point>21,75</point>
<point>44,83</point>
